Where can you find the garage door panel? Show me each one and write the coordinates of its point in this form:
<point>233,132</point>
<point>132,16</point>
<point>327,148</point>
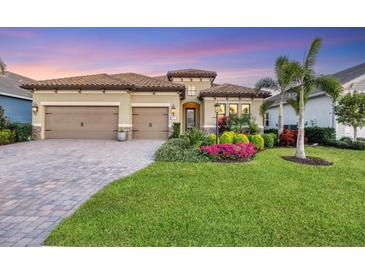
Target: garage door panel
<point>81,122</point>
<point>150,123</point>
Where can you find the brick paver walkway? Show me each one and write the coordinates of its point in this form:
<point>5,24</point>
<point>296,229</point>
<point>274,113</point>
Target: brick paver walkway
<point>42,182</point>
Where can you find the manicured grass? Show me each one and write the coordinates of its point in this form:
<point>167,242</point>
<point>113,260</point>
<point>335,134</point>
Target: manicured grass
<point>266,202</point>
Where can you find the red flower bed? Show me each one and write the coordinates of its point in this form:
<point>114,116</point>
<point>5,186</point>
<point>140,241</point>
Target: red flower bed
<point>230,152</point>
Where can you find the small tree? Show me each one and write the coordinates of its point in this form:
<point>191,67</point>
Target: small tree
<point>264,109</point>
<point>351,111</point>
<point>4,121</point>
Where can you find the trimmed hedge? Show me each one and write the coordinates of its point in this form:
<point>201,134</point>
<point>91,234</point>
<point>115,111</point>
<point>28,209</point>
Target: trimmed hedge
<point>269,140</point>
<point>7,136</point>
<point>257,140</point>
<point>320,135</point>
<point>358,145</point>
<point>240,138</point>
<point>227,137</point>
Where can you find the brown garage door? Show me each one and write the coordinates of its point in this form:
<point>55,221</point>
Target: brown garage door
<point>81,122</point>
<point>150,123</point>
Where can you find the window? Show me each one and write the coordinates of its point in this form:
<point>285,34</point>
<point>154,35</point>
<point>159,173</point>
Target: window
<point>233,108</point>
<point>245,109</point>
<point>267,119</point>
<point>222,110</point>
<point>191,91</point>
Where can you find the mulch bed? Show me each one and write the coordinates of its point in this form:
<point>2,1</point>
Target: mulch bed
<point>313,161</point>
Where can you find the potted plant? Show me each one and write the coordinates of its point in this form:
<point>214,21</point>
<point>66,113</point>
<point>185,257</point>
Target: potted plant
<point>122,135</point>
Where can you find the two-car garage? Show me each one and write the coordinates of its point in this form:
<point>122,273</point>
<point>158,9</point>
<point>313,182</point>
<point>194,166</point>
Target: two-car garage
<point>101,122</point>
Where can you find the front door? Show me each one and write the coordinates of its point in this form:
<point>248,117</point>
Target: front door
<point>190,118</point>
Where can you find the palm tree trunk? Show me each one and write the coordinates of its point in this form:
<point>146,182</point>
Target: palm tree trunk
<point>355,134</point>
<point>281,116</point>
<point>300,153</point>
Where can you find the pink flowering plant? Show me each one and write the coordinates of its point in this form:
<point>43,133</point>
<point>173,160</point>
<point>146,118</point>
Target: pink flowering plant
<point>230,152</point>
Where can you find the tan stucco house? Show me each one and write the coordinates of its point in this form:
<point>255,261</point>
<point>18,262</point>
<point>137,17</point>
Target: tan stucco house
<point>97,106</point>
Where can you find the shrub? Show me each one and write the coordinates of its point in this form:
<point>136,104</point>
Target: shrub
<point>195,137</point>
<point>360,139</point>
<point>237,123</point>
<point>172,153</point>
<point>347,140</point>
<point>223,124</point>
<point>288,137</point>
<point>268,140</point>
<point>257,140</point>
<point>227,137</point>
<point>253,128</point>
<point>7,136</point>
<point>240,138</point>
<point>320,135</point>
<point>176,127</point>
<point>180,142</point>
<point>212,139</point>
<point>4,120</point>
<point>229,152</point>
<point>23,131</point>
<point>358,145</point>
<point>271,130</point>
<point>275,137</point>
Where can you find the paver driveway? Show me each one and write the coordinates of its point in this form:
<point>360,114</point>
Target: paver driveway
<point>42,182</point>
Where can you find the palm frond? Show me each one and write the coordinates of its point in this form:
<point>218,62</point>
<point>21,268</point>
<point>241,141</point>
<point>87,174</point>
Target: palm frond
<point>293,96</point>
<point>329,85</point>
<point>291,74</point>
<point>266,83</point>
<point>312,53</point>
<point>2,67</point>
<point>280,64</point>
<point>265,106</point>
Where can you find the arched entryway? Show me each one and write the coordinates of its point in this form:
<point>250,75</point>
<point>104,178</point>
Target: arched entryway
<point>191,115</point>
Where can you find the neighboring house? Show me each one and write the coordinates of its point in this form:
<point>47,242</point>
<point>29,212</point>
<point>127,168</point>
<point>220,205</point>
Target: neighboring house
<point>96,106</point>
<point>319,108</point>
<point>17,102</point>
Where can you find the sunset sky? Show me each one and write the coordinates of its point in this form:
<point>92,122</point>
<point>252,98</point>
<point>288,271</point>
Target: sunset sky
<point>239,55</point>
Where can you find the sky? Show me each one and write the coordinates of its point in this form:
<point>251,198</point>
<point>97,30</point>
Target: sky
<point>239,55</point>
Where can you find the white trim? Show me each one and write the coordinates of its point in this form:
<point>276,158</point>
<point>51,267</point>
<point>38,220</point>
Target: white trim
<point>154,93</point>
<point>150,104</point>
<point>92,92</point>
<point>67,91</point>
<point>44,91</point>
<point>209,126</point>
<point>75,103</point>
<point>125,125</point>
<point>16,96</point>
<point>115,91</point>
<point>36,125</point>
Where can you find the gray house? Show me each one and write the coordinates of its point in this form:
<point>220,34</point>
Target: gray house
<point>319,108</point>
<point>17,102</point>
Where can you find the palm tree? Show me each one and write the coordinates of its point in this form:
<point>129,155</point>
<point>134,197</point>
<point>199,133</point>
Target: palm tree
<point>264,108</point>
<point>280,84</point>
<point>304,83</point>
<point>2,67</point>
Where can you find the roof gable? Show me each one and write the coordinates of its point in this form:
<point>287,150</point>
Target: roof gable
<point>230,90</point>
<point>10,85</point>
<point>191,73</point>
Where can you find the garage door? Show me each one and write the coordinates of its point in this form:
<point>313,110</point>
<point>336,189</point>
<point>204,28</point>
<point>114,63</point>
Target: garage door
<point>81,122</point>
<point>150,123</point>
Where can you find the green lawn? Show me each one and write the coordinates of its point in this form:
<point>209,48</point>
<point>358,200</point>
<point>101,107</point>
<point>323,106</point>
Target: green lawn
<point>266,202</point>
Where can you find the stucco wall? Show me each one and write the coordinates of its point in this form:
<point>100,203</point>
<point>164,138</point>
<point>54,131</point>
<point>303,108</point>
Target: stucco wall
<point>16,109</point>
<point>124,100</point>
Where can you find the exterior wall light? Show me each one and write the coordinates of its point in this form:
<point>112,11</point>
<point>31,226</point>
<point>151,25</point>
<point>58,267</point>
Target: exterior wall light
<point>34,108</point>
<point>173,110</point>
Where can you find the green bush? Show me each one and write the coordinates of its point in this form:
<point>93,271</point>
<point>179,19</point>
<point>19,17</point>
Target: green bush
<point>361,139</point>
<point>195,137</point>
<point>212,139</point>
<point>347,140</point>
<point>358,145</point>
<point>176,127</point>
<point>320,135</point>
<point>240,138</point>
<point>180,142</point>
<point>227,137</point>
<point>7,136</point>
<point>257,140</point>
<point>268,139</point>
<point>23,131</point>
<point>253,128</point>
<point>173,153</point>
<point>275,137</point>
<point>271,130</point>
